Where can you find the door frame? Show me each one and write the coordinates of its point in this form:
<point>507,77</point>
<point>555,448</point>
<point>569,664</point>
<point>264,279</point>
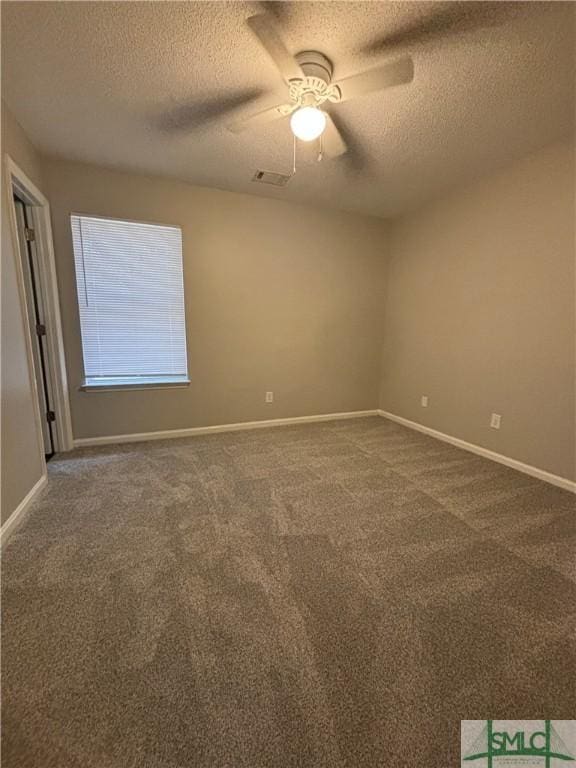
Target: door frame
<point>17,182</point>
<point>35,301</point>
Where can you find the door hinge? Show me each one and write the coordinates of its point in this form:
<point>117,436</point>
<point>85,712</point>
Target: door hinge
<point>30,235</point>
<point>50,416</point>
<point>40,329</point>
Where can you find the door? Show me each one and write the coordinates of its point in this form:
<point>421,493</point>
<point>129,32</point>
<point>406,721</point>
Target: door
<point>37,321</point>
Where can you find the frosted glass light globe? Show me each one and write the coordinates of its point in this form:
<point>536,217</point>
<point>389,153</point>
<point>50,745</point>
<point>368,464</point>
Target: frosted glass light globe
<point>308,123</point>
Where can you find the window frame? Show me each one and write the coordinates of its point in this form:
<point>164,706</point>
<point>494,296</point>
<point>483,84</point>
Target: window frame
<point>87,384</point>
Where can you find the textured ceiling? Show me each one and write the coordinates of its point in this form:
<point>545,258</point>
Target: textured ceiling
<point>138,86</point>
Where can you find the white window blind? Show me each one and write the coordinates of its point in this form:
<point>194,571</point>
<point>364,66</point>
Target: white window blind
<point>131,300</point>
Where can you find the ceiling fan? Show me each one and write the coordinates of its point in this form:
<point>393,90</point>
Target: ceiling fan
<point>308,76</point>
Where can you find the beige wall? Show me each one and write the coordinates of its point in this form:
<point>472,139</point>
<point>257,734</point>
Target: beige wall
<point>480,313</point>
<point>21,465</point>
<point>279,297</point>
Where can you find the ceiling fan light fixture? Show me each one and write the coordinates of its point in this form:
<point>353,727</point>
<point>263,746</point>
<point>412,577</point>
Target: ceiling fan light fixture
<point>308,123</point>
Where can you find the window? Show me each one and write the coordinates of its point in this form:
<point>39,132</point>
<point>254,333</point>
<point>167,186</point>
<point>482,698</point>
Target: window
<point>131,300</point>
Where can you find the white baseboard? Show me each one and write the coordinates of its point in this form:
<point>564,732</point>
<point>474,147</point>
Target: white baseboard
<point>19,513</point>
<point>191,431</point>
<point>541,474</point>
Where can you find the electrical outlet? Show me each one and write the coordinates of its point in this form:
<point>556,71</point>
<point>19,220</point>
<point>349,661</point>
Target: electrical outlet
<point>424,401</point>
<point>269,398</point>
<point>495,421</point>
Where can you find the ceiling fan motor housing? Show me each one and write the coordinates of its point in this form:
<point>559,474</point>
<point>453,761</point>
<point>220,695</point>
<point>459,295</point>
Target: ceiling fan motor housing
<point>315,64</point>
<point>314,88</point>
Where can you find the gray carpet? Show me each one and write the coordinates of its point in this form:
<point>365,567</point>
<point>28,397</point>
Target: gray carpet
<point>336,594</point>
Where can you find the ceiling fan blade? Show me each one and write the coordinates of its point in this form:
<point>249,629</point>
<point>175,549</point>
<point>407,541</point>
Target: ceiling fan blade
<point>265,29</point>
<point>196,114</point>
<point>332,142</point>
<point>261,118</point>
<point>395,73</point>
<point>439,20</point>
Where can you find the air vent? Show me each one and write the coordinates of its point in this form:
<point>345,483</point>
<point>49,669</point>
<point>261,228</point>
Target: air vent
<point>271,177</point>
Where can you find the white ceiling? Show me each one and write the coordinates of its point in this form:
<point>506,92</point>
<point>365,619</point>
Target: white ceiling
<point>133,85</point>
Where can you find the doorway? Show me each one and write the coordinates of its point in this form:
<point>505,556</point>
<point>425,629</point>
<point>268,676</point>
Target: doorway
<point>37,321</point>
<point>29,214</point>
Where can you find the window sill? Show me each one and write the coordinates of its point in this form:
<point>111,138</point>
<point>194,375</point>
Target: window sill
<point>134,383</point>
